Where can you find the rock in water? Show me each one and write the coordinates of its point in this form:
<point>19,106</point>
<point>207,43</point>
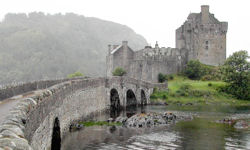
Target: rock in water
<point>241,124</point>
<point>149,120</point>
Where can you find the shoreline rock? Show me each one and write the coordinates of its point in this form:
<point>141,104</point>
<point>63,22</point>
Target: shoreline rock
<point>150,119</point>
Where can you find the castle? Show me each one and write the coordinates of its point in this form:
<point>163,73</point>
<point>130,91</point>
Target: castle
<point>201,37</point>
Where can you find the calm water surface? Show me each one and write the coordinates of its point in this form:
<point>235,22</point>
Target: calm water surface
<point>199,134</point>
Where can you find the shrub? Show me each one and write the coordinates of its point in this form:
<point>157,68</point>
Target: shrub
<point>153,96</point>
<point>209,84</point>
<point>161,78</point>
<point>119,72</point>
<point>194,70</point>
<point>164,96</point>
<point>171,77</point>
<point>76,74</point>
<point>155,89</point>
<point>185,87</point>
<point>206,78</point>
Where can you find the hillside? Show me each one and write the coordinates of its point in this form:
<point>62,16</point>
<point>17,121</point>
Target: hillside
<point>38,46</point>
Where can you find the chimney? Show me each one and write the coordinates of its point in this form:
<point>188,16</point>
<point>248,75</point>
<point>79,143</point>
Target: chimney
<point>204,14</point>
<point>124,43</point>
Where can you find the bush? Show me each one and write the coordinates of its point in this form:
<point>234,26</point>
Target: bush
<point>185,87</point>
<point>76,74</point>
<point>209,84</point>
<point>155,89</point>
<point>153,96</point>
<point>207,78</point>
<point>159,94</point>
<point>119,72</point>
<point>161,78</point>
<point>194,70</point>
<point>171,77</point>
<point>164,96</point>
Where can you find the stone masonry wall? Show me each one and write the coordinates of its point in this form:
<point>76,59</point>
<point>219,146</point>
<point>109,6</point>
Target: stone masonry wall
<point>12,90</point>
<point>72,102</point>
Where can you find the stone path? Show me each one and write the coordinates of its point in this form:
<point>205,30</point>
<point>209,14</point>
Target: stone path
<point>7,104</point>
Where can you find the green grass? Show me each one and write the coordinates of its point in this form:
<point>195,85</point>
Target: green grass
<point>100,123</point>
<point>198,93</point>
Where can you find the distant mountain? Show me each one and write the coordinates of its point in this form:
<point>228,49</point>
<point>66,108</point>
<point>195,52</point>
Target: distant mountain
<point>38,46</point>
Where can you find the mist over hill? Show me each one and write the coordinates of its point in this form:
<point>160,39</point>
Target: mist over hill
<point>38,46</point>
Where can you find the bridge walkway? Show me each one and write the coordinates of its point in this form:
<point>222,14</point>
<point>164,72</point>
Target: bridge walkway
<point>7,104</point>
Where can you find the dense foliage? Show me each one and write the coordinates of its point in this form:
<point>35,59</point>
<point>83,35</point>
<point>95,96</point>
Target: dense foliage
<point>236,71</point>
<point>38,46</point>
<point>161,78</point>
<point>194,69</point>
<point>119,72</point>
<point>197,71</point>
<point>76,74</point>
<point>164,77</point>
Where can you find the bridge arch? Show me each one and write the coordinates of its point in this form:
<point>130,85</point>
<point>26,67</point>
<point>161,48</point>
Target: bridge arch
<point>114,100</point>
<point>56,135</point>
<point>130,98</point>
<point>143,98</point>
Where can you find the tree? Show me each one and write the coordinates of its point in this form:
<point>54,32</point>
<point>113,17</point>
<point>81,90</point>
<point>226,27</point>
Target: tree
<point>76,74</point>
<point>236,71</point>
<point>194,69</point>
<point>119,72</point>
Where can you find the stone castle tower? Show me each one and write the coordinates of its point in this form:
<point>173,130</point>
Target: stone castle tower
<point>204,37</point>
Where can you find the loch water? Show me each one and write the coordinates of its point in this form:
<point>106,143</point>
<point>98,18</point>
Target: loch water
<point>201,133</point>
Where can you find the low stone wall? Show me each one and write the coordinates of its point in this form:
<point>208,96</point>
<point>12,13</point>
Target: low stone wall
<point>12,90</point>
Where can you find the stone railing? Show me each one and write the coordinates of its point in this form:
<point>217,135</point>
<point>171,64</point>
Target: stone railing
<point>12,90</point>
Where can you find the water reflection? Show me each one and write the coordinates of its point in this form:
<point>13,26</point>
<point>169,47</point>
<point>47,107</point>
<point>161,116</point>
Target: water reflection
<point>200,133</point>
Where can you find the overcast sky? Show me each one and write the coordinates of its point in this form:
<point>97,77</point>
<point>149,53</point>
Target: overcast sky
<point>156,20</point>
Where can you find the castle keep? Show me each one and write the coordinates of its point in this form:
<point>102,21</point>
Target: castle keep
<point>201,37</point>
<point>204,37</point>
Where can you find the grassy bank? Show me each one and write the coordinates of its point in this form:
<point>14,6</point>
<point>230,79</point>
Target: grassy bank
<point>185,91</point>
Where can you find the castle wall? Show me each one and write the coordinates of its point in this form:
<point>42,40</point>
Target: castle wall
<point>211,47</point>
<point>148,63</point>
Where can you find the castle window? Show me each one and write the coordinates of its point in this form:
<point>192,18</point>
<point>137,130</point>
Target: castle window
<point>207,47</point>
<point>206,42</point>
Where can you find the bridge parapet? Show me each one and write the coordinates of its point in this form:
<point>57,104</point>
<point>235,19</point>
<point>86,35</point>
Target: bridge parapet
<point>8,91</point>
<point>136,82</point>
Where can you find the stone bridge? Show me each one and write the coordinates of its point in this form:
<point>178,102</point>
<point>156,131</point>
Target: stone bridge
<point>41,120</point>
